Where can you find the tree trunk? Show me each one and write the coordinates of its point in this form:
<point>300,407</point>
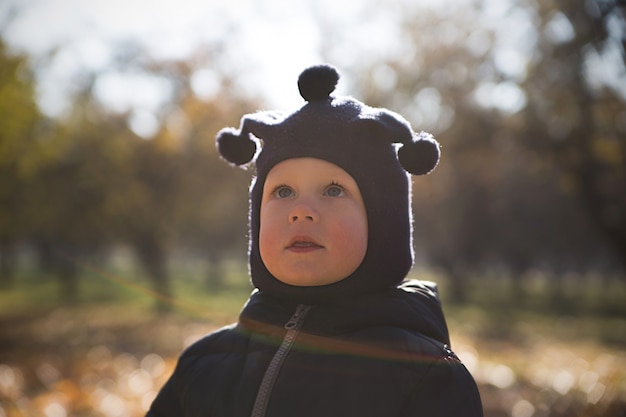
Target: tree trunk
<point>153,258</point>
<point>8,261</point>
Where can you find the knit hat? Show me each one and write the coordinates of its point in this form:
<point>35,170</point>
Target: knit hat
<point>377,147</point>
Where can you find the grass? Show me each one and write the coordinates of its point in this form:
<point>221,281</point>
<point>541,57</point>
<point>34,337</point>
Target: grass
<point>35,293</point>
<point>593,312</point>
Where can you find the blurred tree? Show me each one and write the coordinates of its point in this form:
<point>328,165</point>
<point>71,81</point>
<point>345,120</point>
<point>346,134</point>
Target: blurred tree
<point>214,216</point>
<point>179,197</point>
<point>20,123</point>
<point>68,208</point>
<point>150,205</point>
<point>576,108</point>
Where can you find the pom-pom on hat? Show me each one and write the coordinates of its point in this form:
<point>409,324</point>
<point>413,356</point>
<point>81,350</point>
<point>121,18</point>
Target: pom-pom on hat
<point>376,146</point>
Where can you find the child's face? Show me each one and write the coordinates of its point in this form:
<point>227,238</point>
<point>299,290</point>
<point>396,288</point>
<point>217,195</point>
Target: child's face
<point>313,223</point>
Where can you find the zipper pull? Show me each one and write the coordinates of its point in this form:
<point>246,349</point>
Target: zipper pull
<point>294,321</point>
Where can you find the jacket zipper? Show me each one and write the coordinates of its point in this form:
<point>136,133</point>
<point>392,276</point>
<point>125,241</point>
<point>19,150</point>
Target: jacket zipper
<point>293,327</point>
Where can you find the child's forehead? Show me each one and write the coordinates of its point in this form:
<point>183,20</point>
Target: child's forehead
<point>308,167</point>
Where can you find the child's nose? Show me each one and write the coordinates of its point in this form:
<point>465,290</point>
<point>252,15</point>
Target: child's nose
<point>303,212</point>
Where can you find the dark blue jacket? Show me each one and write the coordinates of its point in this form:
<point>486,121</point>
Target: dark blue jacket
<point>385,354</point>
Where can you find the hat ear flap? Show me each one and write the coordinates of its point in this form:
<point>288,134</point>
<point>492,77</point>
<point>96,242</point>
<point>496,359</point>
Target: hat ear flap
<point>421,155</point>
<point>235,147</point>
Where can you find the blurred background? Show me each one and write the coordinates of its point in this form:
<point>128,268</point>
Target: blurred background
<point>123,236</point>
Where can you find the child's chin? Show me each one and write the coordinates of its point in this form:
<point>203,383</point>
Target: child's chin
<point>308,281</point>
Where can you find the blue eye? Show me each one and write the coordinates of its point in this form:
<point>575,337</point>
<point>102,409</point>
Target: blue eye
<point>334,190</point>
<point>283,191</point>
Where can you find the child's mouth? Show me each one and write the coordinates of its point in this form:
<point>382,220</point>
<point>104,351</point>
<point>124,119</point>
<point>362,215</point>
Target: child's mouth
<point>298,245</point>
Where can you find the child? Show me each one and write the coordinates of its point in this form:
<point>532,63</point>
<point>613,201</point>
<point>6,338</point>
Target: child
<point>330,329</point>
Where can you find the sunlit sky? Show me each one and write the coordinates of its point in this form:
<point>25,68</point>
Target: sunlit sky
<point>267,43</point>
<point>89,30</point>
